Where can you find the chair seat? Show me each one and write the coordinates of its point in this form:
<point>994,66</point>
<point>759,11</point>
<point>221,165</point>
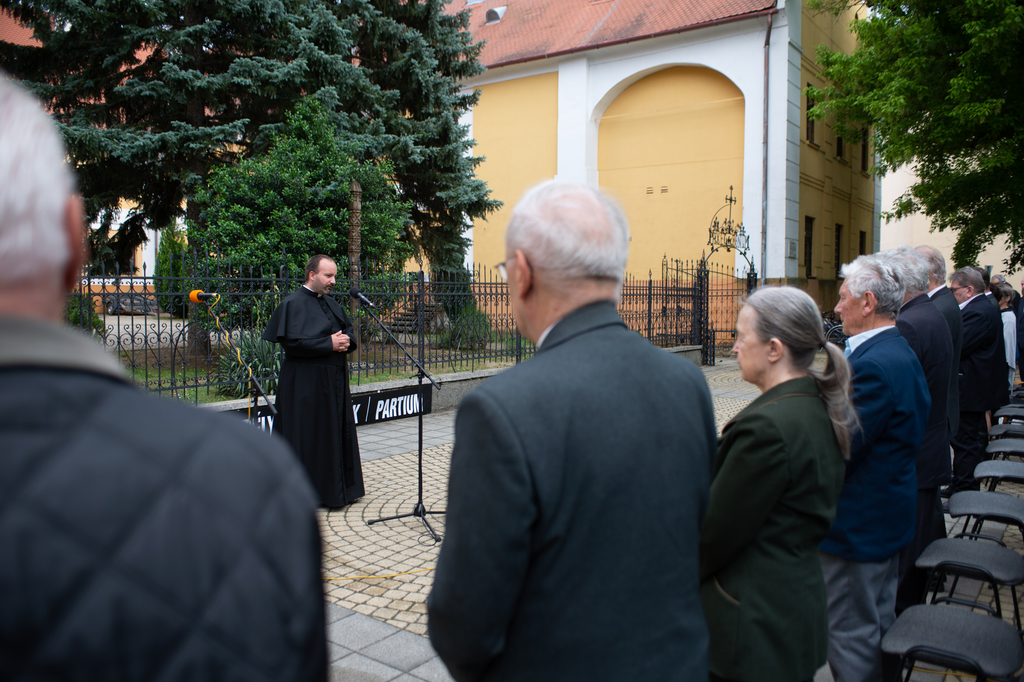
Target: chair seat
<point>1005,566</point>
<point>1001,470</point>
<point>1010,446</point>
<point>1007,430</point>
<point>988,505</point>
<point>1009,412</point>
<point>991,643</point>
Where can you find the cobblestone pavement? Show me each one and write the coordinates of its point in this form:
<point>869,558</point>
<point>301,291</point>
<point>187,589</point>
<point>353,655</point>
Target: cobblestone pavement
<point>377,577</point>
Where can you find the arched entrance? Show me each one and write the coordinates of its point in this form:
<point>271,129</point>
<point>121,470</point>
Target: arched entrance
<point>669,147</point>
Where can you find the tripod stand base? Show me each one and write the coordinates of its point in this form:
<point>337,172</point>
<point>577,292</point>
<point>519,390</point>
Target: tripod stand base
<point>419,512</point>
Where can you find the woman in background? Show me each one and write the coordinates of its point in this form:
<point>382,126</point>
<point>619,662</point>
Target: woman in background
<point>777,476</point>
<point>1004,294</point>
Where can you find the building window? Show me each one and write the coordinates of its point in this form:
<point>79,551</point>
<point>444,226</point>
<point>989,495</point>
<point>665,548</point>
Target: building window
<point>838,257</point>
<point>840,148</point>
<point>808,246</point>
<point>863,242</point>
<point>864,151</point>
<point>810,121</point>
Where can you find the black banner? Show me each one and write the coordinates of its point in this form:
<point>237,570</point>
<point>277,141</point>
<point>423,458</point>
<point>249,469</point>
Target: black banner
<point>398,403</point>
<point>368,408</point>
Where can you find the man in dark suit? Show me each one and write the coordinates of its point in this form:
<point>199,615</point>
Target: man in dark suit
<point>983,385</point>
<point>984,272</point>
<point>588,463</point>
<point>877,506</point>
<point>947,304</point>
<point>922,325</point>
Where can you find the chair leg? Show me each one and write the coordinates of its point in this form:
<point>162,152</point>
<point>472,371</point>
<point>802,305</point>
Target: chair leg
<point>1016,605</point>
<point>930,582</point>
<point>904,662</point>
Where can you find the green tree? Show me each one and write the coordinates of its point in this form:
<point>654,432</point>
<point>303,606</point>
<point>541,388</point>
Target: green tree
<point>416,52</point>
<point>939,82</point>
<point>294,200</point>
<point>151,94</point>
<point>170,271</point>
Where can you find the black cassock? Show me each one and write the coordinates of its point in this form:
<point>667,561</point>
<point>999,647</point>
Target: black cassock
<point>313,400</point>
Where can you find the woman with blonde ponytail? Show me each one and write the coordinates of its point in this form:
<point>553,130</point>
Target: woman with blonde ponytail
<point>777,477</point>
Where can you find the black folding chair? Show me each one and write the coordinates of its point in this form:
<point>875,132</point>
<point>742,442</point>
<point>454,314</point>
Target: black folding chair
<point>985,506</point>
<point>986,647</point>
<point>960,557</point>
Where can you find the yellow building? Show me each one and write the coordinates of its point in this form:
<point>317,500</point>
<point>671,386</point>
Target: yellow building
<point>671,107</point>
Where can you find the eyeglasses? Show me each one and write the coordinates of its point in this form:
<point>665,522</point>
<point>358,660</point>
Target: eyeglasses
<point>956,289</point>
<point>503,272</point>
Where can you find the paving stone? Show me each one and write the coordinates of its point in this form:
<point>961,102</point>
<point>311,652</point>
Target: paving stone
<point>433,671</point>
<point>336,651</point>
<point>402,650</point>
<point>335,612</point>
<point>419,628</point>
<point>358,631</point>
<point>358,668</point>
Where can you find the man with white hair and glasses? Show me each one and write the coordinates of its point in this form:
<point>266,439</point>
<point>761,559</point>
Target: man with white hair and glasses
<point>983,385</point>
<point>579,478</point>
<point>877,506</point>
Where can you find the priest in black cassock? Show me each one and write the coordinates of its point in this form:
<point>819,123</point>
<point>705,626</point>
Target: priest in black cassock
<point>313,400</point>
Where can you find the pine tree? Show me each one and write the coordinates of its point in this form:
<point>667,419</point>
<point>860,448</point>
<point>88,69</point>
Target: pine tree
<point>416,52</point>
<point>151,94</point>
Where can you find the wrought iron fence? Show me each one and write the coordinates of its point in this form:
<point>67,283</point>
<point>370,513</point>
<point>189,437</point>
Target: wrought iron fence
<point>451,321</point>
<point>718,291</point>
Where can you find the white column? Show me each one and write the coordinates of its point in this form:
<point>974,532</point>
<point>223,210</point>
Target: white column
<point>573,119</point>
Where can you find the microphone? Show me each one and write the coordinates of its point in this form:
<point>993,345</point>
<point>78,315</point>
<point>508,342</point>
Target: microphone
<point>198,296</point>
<point>358,295</point>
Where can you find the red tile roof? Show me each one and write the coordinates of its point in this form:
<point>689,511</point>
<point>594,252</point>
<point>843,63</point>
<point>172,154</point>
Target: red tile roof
<point>13,32</point>
<point>534,29</point>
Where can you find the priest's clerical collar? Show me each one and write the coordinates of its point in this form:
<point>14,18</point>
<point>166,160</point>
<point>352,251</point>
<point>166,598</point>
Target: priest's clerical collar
<point>311,291</point>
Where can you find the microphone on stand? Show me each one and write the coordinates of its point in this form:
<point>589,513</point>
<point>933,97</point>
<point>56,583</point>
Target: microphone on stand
<point>198,296</point>
<point>358,295</point>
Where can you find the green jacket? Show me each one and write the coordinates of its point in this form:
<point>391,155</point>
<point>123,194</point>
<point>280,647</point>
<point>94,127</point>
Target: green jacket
<point>777,477</point>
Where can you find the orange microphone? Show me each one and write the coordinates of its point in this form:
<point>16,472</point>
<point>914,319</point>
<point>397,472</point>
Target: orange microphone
<point>198,296</point>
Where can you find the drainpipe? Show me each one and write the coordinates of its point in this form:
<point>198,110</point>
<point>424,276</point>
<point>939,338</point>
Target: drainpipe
<point>764,162</point>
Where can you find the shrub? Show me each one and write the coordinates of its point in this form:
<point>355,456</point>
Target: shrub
<point>471,330</point>
<point>263,358</point>
<point>80,313</point>
<point>170,269</point>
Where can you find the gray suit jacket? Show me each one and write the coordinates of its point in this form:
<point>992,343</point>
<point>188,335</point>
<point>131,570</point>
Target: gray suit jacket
<point>579,482</point>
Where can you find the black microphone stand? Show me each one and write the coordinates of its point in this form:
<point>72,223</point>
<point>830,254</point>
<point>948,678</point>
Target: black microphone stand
<point>254,383</point>
<point>419,510</point>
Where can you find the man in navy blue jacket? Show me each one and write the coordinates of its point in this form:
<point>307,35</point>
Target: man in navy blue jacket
<point>877,506</point>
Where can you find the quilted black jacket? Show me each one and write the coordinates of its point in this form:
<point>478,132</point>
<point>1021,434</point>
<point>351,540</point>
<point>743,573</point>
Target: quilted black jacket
<point>144,540</point>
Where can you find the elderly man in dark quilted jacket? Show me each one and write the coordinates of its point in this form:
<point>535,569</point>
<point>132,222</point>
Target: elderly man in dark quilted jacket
<point>139,539</point>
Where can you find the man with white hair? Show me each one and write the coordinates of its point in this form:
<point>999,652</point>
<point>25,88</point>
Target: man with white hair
<point>586,464</point>
<point>877,506</point>
<point>140,539</point>
<point>925,330</point>
<point>944,300</point>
